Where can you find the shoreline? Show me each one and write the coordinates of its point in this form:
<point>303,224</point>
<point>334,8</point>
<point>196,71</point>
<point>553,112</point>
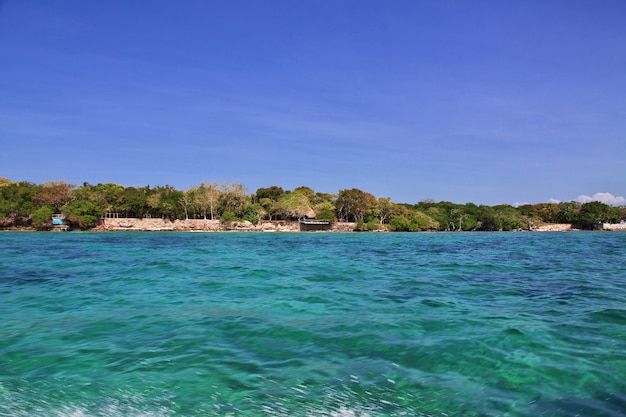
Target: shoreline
<point>284,226</point>
<point>202,225</point>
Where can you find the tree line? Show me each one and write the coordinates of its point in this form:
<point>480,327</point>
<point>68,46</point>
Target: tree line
<point>24,204</point>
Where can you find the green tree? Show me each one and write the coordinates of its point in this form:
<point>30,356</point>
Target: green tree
<point>568,212</point>
<point>268,199</point>
<point>136,201</point>
<point>320,198</point>
<point>459,214</point>
<point>509,218</point>
<point>232,198</point>
<point>421,221</point>
<point>16,200</point>
<point>383,209</point>
<point>112,197</point>
<point>54,194</point>
<point>442,213</point>
<point>305,191</point>
<point>294,205</point>
<point>253,213</point>
<point>620,213</point>
<point>440,216</point>
<point>83,213</point>
<point>470,221</point>
<point>164,202</point>
<point>547,212</point>
<point>488,218</point>
<point>354,204</point>
<point>186,201</point>
<point>205,199</point>
<point>593,213</point>
<point>325,211</point>
<point>400,223</point>
<point>269,207</point>
<point>42,217</point>
<point>272,193</point>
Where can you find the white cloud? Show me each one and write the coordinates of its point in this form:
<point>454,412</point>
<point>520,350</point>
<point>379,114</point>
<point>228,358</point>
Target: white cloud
<point>554,201</point>
<point>606,198</point>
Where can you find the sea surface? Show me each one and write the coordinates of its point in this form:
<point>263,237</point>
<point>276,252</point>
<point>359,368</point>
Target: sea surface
<point>313,324</point>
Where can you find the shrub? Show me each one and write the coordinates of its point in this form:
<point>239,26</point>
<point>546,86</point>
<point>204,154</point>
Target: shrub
<point>228,217</point>
<point>42,217</point>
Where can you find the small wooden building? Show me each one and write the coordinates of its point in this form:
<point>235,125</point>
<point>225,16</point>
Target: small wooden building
<point>59,223</point>
<point>312,225</point>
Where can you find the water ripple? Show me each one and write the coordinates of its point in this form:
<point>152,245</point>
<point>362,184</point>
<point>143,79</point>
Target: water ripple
<point>449,324</point>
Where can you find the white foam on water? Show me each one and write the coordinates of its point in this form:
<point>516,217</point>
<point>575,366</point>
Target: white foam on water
<point>110,411</point>
<point>18,408</point>
<point>346,412</point>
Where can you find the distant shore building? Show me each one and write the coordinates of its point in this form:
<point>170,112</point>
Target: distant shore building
<point>59,224</point>
<point>312,225</point>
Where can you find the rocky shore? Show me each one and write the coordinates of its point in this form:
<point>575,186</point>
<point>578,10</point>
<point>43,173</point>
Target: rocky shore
<point>565,227</point>
<point>554,227</point>
<point>200,225</point>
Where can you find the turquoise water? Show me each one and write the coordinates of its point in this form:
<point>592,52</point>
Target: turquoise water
<point>320,324</point>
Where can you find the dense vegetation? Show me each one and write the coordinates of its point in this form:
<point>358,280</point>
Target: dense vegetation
<point>24,204</point>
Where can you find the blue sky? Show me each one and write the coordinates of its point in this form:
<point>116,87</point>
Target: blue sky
<point>465,101</point>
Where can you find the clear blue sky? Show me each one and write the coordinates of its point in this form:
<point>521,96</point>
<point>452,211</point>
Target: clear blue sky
<point>465,101</point>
